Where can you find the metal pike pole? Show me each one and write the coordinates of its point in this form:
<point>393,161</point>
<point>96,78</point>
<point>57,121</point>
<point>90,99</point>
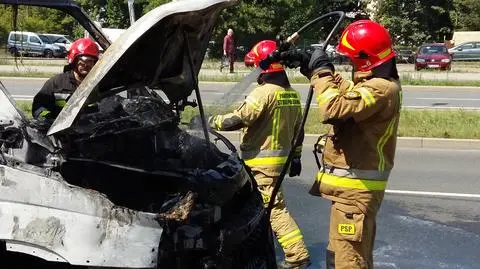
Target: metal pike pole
<point>286,166</point>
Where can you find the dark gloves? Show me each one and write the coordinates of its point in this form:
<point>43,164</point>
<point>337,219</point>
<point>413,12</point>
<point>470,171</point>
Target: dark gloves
<point>296,58</point>
<point>307,62</point>
<point>295,167</point>
<point>319,60</point>
<point>196,122</point>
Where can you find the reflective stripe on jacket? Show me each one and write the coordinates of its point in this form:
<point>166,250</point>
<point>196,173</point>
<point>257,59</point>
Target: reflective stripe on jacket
<point>53,96</point>
<point>270,115</point>
<point>364,118</point>
<point>352,183</point>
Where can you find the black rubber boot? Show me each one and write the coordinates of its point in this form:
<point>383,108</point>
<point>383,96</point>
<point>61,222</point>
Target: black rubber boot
<point>296,265</point>
<point>330,259</point>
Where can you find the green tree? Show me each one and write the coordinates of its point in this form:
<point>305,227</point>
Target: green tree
<point>466,15</point>
<point>150,4</point>
<point>412,22</point>
<point>36,19</point>
<point>116,12</point>
<point>253,21</point>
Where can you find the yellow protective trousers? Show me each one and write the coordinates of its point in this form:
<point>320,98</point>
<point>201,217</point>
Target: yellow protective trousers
<point>284,226</point>
<point>355,203</point>
<point>351,237</point>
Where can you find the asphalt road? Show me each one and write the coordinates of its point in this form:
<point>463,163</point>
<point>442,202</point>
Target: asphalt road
<point>414,96</point>
<point>422,231</point>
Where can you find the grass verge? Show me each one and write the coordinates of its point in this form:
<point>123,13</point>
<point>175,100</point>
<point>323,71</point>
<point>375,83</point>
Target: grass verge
<point>416,79</point>
<point>406,79</point>
<point>27,74</point>
<point>460,124</point>
<point>295,78</point>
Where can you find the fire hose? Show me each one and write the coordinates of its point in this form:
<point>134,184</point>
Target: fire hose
<point>275,56</point>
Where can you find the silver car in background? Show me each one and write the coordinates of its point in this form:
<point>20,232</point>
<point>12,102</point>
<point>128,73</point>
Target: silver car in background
<point>467,51</point>
<point>33,44</point>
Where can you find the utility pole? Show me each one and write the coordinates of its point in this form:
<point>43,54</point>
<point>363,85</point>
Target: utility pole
<point>131,11</point>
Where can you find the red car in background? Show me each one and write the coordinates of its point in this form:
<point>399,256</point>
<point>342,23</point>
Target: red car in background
<point>433,56</point>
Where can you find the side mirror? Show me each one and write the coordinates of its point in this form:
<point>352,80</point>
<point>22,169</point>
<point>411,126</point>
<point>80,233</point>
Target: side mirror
<point>459,49</point>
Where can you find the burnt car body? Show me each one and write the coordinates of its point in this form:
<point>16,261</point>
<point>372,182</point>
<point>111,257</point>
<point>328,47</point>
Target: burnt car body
<point>115,181</point>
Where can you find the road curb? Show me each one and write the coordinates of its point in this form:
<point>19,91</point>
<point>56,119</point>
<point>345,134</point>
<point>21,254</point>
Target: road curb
<point>402,142</point>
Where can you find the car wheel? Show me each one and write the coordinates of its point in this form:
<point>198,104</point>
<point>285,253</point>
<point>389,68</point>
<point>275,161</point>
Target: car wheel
<point>418,68</point>
<point>48,54</point>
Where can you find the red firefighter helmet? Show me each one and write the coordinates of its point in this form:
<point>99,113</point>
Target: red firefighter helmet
<point>81,47</point>
<point>367,44</point>
<point>260,51</point>
<point>249,59</point>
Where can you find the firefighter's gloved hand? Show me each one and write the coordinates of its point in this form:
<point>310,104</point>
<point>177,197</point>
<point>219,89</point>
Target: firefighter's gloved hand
<point>295,167</point>
<point>318,61</point>
<point>294,58</point>
<point>196,122</point>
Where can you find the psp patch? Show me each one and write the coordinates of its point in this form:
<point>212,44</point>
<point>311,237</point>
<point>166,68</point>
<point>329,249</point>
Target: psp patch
<point>346,228</point>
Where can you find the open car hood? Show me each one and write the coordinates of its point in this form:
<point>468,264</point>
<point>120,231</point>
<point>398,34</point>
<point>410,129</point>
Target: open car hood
<point>156,52</point>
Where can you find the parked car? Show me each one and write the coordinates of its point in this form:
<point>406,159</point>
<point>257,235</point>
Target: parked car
<point>468,51</point>
<point>433,56</point>
<point>405,56</point>
<point>116,180</point>
<point>48,40</point>
<point>60,40</point>
<point>29,43</point>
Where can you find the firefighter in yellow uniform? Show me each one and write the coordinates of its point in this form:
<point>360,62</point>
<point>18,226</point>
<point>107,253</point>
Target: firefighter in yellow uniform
<point>269,116</point>
<point>360,148</point>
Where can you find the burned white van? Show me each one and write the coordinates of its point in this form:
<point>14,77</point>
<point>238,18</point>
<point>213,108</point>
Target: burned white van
<point>125,185</point>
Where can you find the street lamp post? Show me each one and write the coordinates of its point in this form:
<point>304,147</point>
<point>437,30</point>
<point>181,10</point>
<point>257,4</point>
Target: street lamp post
<point>131,11</point>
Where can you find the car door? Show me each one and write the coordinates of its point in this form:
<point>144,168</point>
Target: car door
<point>469,51</point>
<point>21,42</point>
<point>35,45</point>
<point>464,51</point>
<point>476,51</point>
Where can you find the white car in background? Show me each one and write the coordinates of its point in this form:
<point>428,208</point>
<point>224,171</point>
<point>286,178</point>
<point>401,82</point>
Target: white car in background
<point>61,40</point>
<point>32,44</point>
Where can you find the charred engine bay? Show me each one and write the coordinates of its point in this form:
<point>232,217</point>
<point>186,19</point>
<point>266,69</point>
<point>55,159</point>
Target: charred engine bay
<point>132,150</point>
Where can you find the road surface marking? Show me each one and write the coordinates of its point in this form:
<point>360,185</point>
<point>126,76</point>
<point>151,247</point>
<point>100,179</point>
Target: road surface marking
<point>444,98</point>
<point>437,194</point>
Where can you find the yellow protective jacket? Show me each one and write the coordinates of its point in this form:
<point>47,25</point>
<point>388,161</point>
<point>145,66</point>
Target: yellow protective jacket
<point>270,116</point>
<point>364,116</point>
